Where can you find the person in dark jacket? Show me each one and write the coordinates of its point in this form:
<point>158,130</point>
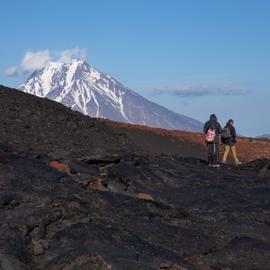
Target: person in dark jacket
<point>212,129</point>
<point>229,140</point>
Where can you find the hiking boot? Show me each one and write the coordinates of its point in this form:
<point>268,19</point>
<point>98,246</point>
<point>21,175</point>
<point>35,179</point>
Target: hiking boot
<point>238,163</point>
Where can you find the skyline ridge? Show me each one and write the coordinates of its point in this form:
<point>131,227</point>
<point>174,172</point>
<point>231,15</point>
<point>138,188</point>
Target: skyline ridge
<point>81,87</point>
<point>203,57</point>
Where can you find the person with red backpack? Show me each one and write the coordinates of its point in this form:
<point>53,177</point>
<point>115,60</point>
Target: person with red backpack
<point>212,130</point>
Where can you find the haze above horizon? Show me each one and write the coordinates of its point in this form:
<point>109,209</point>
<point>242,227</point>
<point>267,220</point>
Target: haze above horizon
<point>193,57</point>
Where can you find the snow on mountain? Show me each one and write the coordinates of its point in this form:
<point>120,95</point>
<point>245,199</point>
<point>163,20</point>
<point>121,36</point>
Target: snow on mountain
<point>83,88</point>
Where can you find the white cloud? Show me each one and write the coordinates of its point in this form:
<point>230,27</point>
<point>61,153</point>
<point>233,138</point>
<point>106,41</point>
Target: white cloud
<point>35,60</point>
<point>66,56</point>
<point>201,90</point>
<point>11,71</point>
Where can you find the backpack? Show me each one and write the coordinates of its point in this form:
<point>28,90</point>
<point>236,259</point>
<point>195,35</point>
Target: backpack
<point>225,133</point>
<point>210,135</point>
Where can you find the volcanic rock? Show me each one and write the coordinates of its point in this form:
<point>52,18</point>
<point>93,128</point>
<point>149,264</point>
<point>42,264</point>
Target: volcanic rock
<point>142,210</point>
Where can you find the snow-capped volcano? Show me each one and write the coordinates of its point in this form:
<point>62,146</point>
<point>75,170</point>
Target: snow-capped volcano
<point>83,88</point>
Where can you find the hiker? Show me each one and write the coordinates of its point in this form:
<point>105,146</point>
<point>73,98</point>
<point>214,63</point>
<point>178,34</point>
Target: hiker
<point>228,138</point>
<point>212,129</point>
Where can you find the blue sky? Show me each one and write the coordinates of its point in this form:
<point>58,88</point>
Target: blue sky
<point>193,57</point>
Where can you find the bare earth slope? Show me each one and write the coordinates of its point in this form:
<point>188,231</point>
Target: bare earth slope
<point>77,193</point>
<point>189,144</point>
<point>40,125</point>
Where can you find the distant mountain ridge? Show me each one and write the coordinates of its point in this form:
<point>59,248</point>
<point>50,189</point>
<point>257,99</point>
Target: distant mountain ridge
<point>264,136</point>
<point>83,88</point>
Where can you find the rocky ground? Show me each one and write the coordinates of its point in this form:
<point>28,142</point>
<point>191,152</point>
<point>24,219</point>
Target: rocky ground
<point>188,143</point>
<point>77,193</point>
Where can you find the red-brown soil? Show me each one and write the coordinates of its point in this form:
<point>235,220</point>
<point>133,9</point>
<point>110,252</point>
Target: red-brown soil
<point>157,140</point>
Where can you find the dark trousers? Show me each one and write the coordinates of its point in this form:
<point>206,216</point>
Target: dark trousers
<point>213,153</point>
